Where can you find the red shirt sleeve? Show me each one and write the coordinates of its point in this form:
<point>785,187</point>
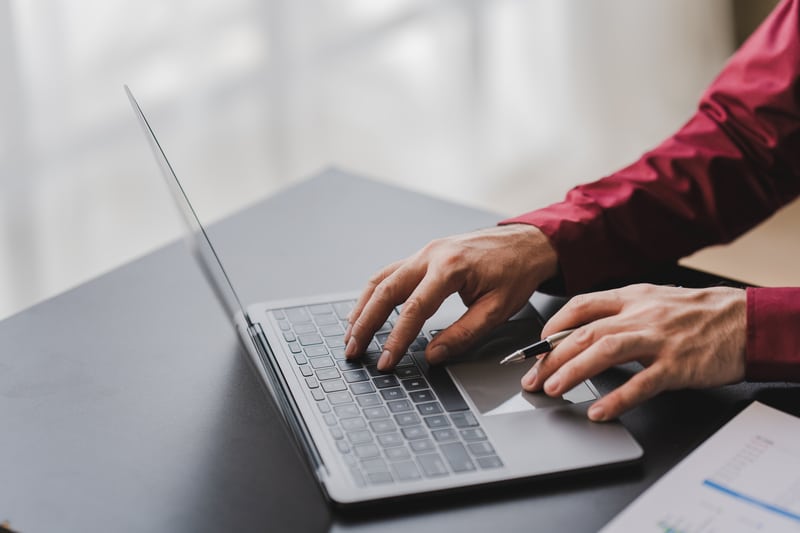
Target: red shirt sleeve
<point>732,165</point>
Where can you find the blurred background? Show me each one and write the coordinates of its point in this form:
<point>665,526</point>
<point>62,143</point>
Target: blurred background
<point>499,104</point>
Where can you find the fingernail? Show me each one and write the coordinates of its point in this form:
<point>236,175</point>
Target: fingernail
<point>438,353</point>
<point>597,413</point>
<point>551,386</point>
<point>350,349</point>
<point>530,377</point>
<point>385,360</point>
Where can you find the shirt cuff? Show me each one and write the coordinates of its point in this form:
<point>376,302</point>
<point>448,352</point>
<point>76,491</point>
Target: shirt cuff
<point>773,334</point>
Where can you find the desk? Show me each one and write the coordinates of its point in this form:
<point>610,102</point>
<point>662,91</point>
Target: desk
<point>127,404</point>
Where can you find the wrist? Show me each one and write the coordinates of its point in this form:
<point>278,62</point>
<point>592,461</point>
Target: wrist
<point>535,248</point>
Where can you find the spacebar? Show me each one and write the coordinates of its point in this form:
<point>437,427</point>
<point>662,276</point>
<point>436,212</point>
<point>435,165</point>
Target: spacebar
<point>442,383</point>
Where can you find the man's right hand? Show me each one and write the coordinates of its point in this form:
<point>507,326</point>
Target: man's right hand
<point>494,271</point>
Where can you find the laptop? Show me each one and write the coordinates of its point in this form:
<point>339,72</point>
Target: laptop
<point>369,436</point>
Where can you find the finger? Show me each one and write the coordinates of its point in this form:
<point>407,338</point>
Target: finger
<point>366,294</point>
<point>581,339</point>
<point>639,388</point>
<point>582,309</point>
<point>419,307</point>
<point>390,292</point>
<point>482,316</point>
<point>610,350</point>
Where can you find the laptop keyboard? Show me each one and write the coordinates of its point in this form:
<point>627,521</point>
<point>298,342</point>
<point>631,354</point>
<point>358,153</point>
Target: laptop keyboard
<point>390,427</point>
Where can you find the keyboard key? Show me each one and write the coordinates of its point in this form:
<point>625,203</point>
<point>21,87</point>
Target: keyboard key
<point>406,470</point>
<point>320,309</point>
<point>309,339</point>
<point>321,362</point>
<point>442,435</point>
<point>394,393</point>
<point>317,394</point>
<point>334,385</point>
<point>383,382</point>
<point>316,350</point>
<point>384,425</point>
<point>463,419</point>
<point>278,314</point>
<point>359,437</point>
<point>343,446</point>
<point>406,360</point>
<point>422,446</point>
<point>380,478</point>
<point>346,410</point>
<point>422,396</point>
<point>364,387</point>
<point>414,384</point>
<point>342,309</point>
<point>348,365</point>
<point>335,342</point>
<point>388,440</point>
<point>312,382</point>
<point>457,457</point>
<point>414,432</point>
<point>324,407</point>
<point>436,421</point>
<point>372,348</point>
<point>297,315</point>
<point>368,400</point>
<point>284,325</point>
<point>473,434</point>
<point>326,320</point>
<point>330,419</point>
<point>337,433</point>
<point>432,465</point>
<point>399,406</point>
<point>338,353</point>
<point>300,359</point>
<point>371,358</point>
<point>406,372</point>
<point>374,464</point>
<point>397,454</point>
<point>373,413</point>
<point>480,448</point>
<point>294,347</point>
<point>305,328</point>
<point>331,330</point>
<point>337,397</point>
<point>418,345</point>
<point>358,477</point>
<point>306,371</point>
<point>431,408</point>
<point>386,327</point>
<point>289,336</point>
<point>373,371</point>
<point>353,424</point>
<point>365,451</point>
<point>407,419</point>
<point>441,382</point>
<point>356,375</point>
<point>327,373</point>
<point>491,461</point>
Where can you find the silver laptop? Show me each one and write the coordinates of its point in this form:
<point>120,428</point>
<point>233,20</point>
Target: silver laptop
<point>368,435</point>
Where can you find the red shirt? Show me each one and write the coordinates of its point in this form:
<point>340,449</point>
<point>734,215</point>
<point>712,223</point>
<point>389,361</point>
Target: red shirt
<point>732,165</point>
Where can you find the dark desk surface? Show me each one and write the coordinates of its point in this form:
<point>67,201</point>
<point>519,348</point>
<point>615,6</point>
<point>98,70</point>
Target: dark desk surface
<point>126,404</point>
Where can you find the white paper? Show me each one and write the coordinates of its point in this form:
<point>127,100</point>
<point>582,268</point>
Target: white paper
<point>745,478</point>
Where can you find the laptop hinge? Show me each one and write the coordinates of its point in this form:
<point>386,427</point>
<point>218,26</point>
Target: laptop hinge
<point>286,402</point>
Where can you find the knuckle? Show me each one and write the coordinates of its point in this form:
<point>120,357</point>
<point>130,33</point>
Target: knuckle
<point>609,344</point>
<point>584,337</point>
<point>413,309</point>
<point>579,302</point>
<point>383,293</point>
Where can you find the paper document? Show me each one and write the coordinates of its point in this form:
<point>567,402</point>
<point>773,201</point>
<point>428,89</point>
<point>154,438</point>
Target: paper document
<point>745,478</point>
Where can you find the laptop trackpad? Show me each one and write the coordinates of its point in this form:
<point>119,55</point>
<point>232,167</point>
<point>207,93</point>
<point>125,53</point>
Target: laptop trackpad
<point>495,389</point>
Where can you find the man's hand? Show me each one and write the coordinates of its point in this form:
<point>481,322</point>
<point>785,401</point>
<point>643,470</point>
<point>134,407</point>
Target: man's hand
<point>494,271</point>
<point>686,338</point>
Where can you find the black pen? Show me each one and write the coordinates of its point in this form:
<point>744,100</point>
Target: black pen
<point>537,348</point>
